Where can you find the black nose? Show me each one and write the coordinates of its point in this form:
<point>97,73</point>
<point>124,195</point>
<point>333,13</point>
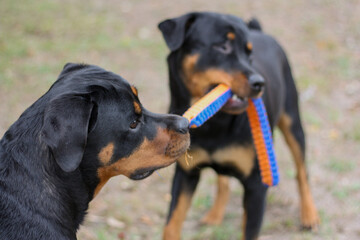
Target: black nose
<point>256,82</point>
<point>179,124</point>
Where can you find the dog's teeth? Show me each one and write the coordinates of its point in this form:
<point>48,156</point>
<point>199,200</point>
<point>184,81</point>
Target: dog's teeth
<point>235,98</point>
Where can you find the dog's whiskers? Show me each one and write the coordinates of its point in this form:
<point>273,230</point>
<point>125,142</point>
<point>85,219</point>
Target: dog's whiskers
<point>157,172</point>
<point>187,155</point>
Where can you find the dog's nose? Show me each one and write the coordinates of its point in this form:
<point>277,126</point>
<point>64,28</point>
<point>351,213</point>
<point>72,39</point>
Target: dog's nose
<point>180,125</point>
<point>256,82</point>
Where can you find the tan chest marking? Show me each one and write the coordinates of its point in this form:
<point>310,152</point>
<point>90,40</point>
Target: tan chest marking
<point>196,157</point>
<point>240,157</point>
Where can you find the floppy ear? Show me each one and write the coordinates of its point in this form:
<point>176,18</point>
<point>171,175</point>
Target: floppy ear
<point>180,95</point>
<point>65,129</point>
<point>174,30</point>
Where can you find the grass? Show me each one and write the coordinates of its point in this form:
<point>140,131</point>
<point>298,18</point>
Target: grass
<point>290,173</point>
<point>202,202</point>
<point>340,165</point>
<point>102,234</point>
<point>38,29</point>
<point>353,133</point>
<point>225,232</point>
<point>38,37</point>
<point>344,192</point>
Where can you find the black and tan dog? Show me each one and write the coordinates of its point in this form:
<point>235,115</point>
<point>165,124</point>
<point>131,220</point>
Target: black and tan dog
<point>55,158</point>
<point>208,49</point>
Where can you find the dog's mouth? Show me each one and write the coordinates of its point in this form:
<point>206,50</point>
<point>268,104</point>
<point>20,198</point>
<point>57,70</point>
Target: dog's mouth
<point>177,147</point>
<point>235,105</point>
<point>178,144</point>
<point>143,173</point>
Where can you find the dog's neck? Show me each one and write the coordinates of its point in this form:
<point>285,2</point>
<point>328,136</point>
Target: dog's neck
<point>32,176</point>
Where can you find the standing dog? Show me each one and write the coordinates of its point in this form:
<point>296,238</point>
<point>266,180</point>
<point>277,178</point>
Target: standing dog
<point>208,49</point>
<point>56,157</point>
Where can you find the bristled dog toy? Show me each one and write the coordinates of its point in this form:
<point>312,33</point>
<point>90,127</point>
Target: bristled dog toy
<point>212,102</point>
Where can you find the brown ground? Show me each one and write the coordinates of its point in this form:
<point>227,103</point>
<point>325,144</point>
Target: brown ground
<point>322,40</point>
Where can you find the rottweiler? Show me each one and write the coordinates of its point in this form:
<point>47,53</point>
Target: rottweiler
<point>89,127</point>
<point>207,49</point>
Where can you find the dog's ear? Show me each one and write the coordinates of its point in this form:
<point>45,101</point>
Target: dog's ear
<point>68,67</point>
<point>174,30</point>
<point>67,122</point>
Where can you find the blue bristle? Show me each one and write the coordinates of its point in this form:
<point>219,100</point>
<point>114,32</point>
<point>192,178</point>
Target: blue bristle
<point>210,110</point>
<point>266,131</point>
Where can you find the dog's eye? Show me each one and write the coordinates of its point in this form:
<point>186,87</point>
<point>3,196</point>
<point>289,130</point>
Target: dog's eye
<point>224,48</point>
<point>134,124</point>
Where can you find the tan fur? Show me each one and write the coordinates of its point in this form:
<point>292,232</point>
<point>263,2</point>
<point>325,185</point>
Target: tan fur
<point>309,215</point>
<point>134,90</point>
<point>216,213</point>
<point>106,153</point>
<point>240,157</point>
<point>249,46</point>
<point>199,82</point>
<point>195,157</point>
<point>244,225</point>
<point>161,151</point>
<point>230,35</point>
<point>137,107</point>
<point>172,230</point>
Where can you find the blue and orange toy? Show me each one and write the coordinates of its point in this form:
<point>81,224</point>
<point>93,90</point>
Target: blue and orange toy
<point>212,102</point>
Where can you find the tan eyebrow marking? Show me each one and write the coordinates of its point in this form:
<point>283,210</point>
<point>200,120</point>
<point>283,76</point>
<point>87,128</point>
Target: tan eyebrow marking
<point>134,90</point>
<point>249,46</point>
<point>137,108</point>
<point>230,35</point>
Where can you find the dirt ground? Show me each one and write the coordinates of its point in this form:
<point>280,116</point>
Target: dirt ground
<point>321,38</point>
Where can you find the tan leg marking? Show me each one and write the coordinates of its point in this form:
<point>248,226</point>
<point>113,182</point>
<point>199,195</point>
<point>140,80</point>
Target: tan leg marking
<point>172,230</point>
<point>197,156</point>
<point>216,213</point>
<point>242,158</point>
<point>243,237</point>
<point>309,215</point>
<point>244,225</point>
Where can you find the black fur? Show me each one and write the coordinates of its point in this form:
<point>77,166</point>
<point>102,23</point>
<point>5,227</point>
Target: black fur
<point>254,24</point>
<point>49,156</point>
<point>201,33</point>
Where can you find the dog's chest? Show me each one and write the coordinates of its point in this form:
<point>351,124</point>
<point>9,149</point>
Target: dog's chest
<point>239,157</point>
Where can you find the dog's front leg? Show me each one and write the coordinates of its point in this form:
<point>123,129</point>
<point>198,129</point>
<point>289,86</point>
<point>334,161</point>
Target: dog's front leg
<point>254,205</point>
<point>184,185</point>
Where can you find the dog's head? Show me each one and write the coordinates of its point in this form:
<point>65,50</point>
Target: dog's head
<point>95,123</point>
<point>212,49</point>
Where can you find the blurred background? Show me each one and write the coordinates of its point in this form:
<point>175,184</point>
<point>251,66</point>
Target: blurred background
<point>322,40</point>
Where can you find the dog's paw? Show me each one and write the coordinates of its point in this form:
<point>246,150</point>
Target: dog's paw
<point>212,218</point>
<point>171,233</point>
<point>310,219</point>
